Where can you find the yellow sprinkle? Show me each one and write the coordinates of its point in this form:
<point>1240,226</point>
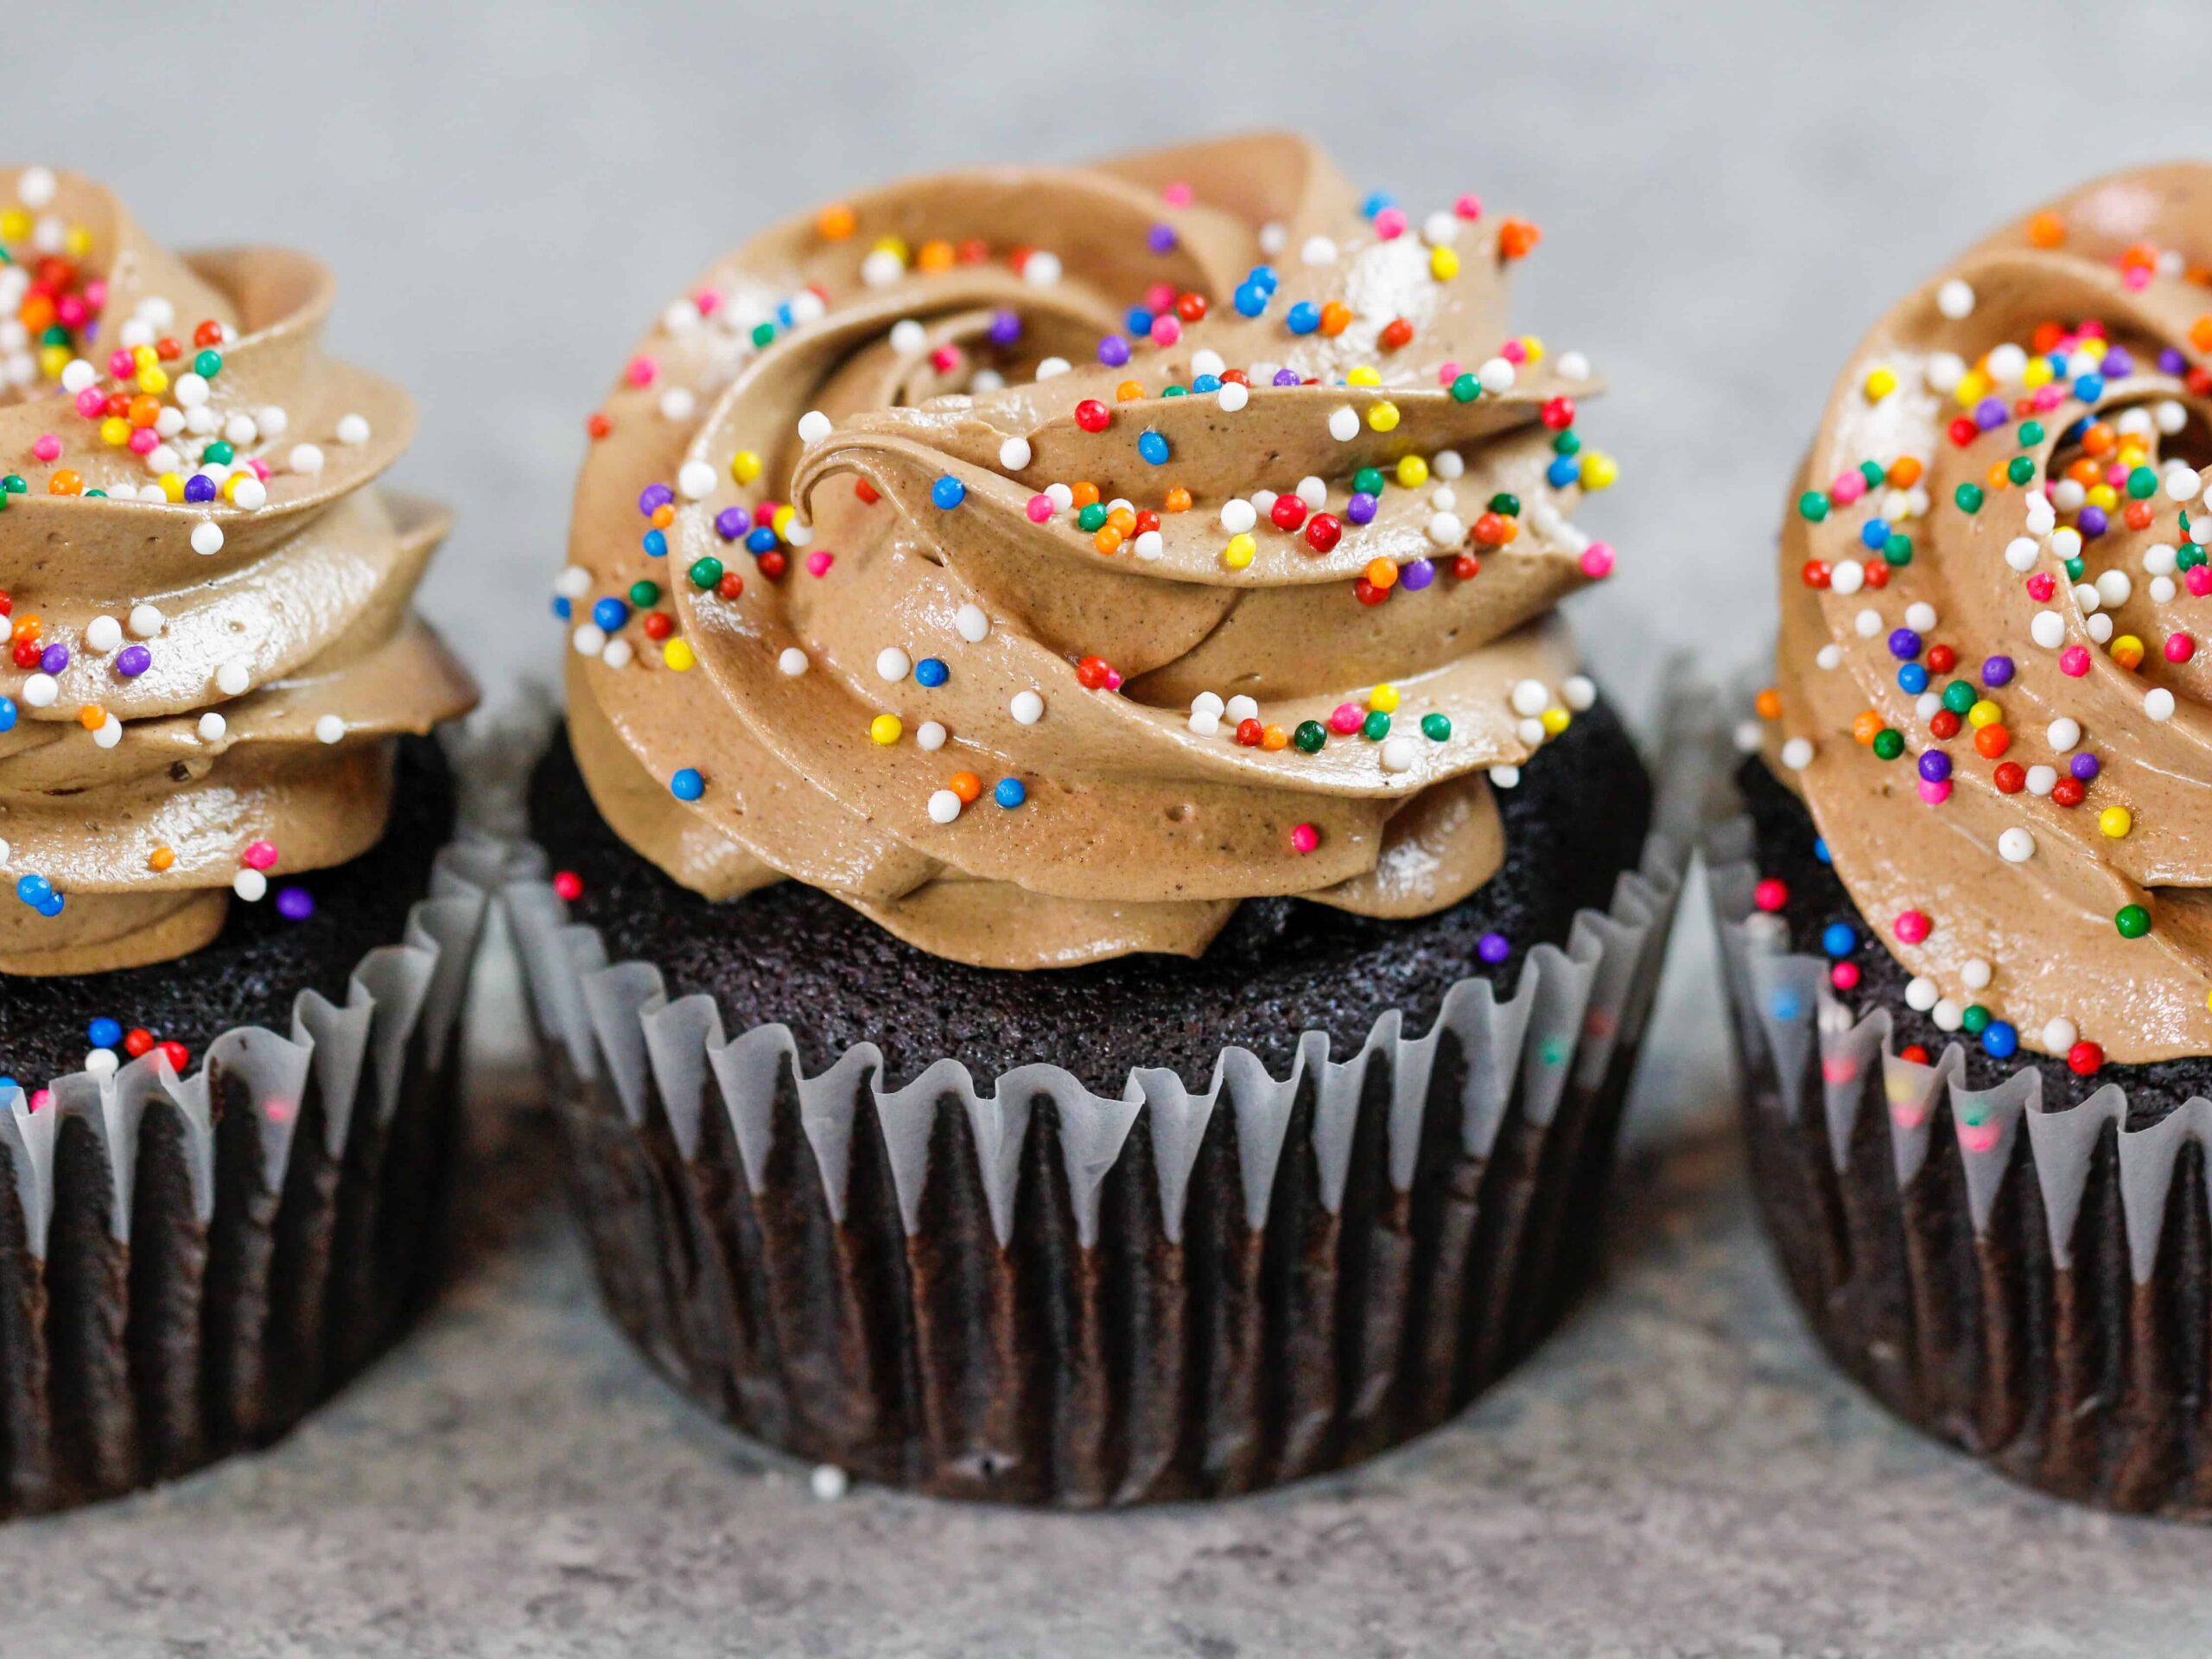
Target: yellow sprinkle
<point>1238,553</point>
<point>1533,346</point>
<point>2040,373</point>
<point>52,360</point>
<point>2103,495</point>
<point>1413,472</point>
<point>79,241</point>
<point>1384,697</point>
<point>1382,416</point>
<point>171,485</point>
<point>678,654</point>
<point>782,522</point>
<point>2127,651</point>
<point>887,729</point>
<point>1984,713</point>
<point>1880,383</point>
<point>2093,348</point>
<point>155,380</point>
<point>2115,821</point>
<point>1556,720</point>
<point>115,431</point>
<point>745,466</point>
<point>1443,263</point>
<point>14,225</point>
<point>145,356</point>
<point>1364,375</point>
<point>893,244</point>
<point>1598,470</point>
<point>1973,387</point>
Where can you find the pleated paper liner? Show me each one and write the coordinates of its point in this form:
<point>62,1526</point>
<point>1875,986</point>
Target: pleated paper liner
<point>1028,1292</point>
<point>186,1266</point>
<point>2027,1280</point>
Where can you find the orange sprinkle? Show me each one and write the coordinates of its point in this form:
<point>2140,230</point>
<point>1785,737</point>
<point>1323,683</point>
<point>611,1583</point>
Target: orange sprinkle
<point>663,516</point>
<point>1108,540</point>
<point>1272,738</point>
<point>1905,471</point>
<point>1517,238</point>
<point>161,857</point>
<point>1123,519</point>
<point>1866,726</point>
<point>1178,500</point>
<point>934,255</point>
<point>1382,573</point>
<point>1083,493</point>
<point>1129,391</point>
<point>64,482</point>
<point>967,785</point>
<point>2046,230</point>
<point>26,626</point>
<point>92,716</point>
<point>2200,333</point>
<point>837,221</point>
<point>1770,704</point>
<point>1336,317</point>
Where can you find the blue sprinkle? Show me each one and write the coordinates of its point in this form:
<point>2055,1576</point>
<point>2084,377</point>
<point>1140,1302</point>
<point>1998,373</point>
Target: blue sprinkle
<point>1998,1040</point>
<point>1838,939</point>
<point>1820,850</point>
<point>50,906</point>
<point>1563,471</point>
<point>2089,388</point>
<point>687,784</point>
<point>785,317</point>
<point>1376,202</point>
<point>1912,679</point>
<point>1249,299</point>
<point>610,614</point>
<point>656,544</point>
<point>32,889</point>
<point>1153,447</point>
<point>1010,793</point>
<point>6,1083</point>
<point>931,671</point>
<point>1305,317</point>
<point>1874,534</point>
<point>562,608</point>
<point>1139,321</point>
<point>947,492</point>
<point>105,1033</point>
<point>761,538</point>
<point>1206,383</point>
<point>1263,277</point>
<point>7,714</point>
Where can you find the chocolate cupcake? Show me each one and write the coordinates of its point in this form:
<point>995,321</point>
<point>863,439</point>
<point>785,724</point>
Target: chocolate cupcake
<point>233,954</point>
<point>954,697</point>
<point>1967,922</point>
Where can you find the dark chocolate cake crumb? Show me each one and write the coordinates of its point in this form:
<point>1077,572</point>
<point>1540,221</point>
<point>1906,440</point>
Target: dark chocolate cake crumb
<point>791,953</point>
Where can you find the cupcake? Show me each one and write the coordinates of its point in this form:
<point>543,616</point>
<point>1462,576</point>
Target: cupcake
<point>1968,919</point>
<point>232,952</point>
<point>1133,927</point>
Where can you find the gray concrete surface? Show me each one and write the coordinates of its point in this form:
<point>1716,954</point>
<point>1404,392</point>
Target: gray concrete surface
<point>1729,195</point>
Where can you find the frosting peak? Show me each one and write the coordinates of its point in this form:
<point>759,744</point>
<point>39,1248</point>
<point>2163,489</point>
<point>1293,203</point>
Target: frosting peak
<point>211,653</point>
<point>1036,663</point>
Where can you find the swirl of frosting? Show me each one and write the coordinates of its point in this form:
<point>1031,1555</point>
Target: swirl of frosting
<point>1037,664</point>
<point>1992,692</point>
<point>212,652</point>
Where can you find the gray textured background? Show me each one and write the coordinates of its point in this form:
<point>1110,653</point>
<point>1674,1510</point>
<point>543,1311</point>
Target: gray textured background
<point>1729,195</point>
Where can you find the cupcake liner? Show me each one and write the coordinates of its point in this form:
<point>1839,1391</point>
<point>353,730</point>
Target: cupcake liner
<point>1026,1291</point>
<point>186,1265</point>
<point>2030,1280</point>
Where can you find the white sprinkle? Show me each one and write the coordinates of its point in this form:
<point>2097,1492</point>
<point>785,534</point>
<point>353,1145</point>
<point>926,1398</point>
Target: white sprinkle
<point>272,420</point>
<point>1028,707</point>
<point>232,678</point>
<point>1234,397</point>
<point>1920,993</point>
<point>100,1062</point>
<point>1797,754</point>
<point>1975,974</point>
<point>793,661</point>
<point>1207,702</point>
<point>2063,733</point>
<point>828,1482</point>
<point>330,729</point>
<point>2022,552</point>
<point>1150,544</point>
<point>248,493</point>
<point>1529,697</point>
<point>1313,492</point>
<point>1574,365</point>
<point>1848,578</point>
<point>2060,1035</point>
<point>881,268</point>
<point>1868,622</point>
<point>908,337</point>
<point>972,625</point>
<point>1579,692</point>
<point>1948,1015</point>
<point>2158,704</point>
<point>1445,528</point>
<point>1750,736</point>
<point>109,733</point>
<point>1440,229</point>
<point>1205,725</point>
<point>103,635</point>
<point>930,734</point>
<point>190,391</point>
<point>1505,777</point>
<point>78,374</point>
<point>1920,618</point>
<point>678,404</point>
<point>1051,368</point>
<point>2042,779</point>
<point>1954,300</point>
<point>1060,496</point>
<point>40,689</point>
<point>1945,370</point>
<point>206,536</point>
<point>249,884</point>
<point>2008,364</point>
<point>305,459</point>
<point>146,620</point>
<point>1829,655</point>
<point>1318,250</point>
<point>34,185</point>
<point>945,806</point>
<point>892,663</point>
<point>1237,516</point>
<point>813,426</point>
<point>1497,375</point>
<point>2099,628</point>
<point>589,639</point>
<point>1273,237</point>
<point>806,307</point>
<point>1241,708</point>
<point>1398,754</point>
<point>2048,629</point>
<point>1344,424</point>
<point>1041,270</point>
<point>1014,454</point>
<point>574,582</point>
<point>2182,483</point>
<point>620,653</point>
<point>696,479</point>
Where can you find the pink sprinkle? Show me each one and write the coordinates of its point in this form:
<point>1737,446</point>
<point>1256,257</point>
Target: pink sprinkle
<point>260,468</point>
<point>1040,509</point>
<point>1166,328</point>
<point>41,1099</point>
<point>1177,194</point>
<point>1597,561</point>
<point>2136,277</point>
<point>2116,475</point>
<point>1161,296</point>
<point>1935,790</point>
<point>69,310</point>
<point>1772,893</point>
<point>819,562</point>
<point>2048,397</point>
<point>946,359</point>
<point>91,403</point>
<point>1514,352</point>
<point>1390,224</point>
<point>1844,975</point>
<point>709,300</point>
<point>2199,581</point>
<point>1447,372</point>
<point>2074,661</point>
<point>1848,488</point>
<point>144,440</point>
<point>1345,718</point>
<point>2041,586</point>
<point>1304,838</point>
<point>2091,328</point>
<point>122,364</point>
<point>642,372</point>
<point>259,855</point>
<point>1469,206</point>
<point>1913,926</point>
<point>96,293</point>
<point>49,448</point>
<point>2180,647</point>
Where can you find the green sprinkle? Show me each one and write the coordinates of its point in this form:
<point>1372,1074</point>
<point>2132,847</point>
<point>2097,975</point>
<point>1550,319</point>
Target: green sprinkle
<point>1889,743</point>
<point>1813,506</point>
<point>2030,433</point>
<point>1466,389</point>
<point>706,572</point>
<point>645,595</point>
<point>2132,921</point>
<point>1175,391</point>
<point>1092,517</point>
<point>1566,443</point>
<point>208,364</point>
<point>2077,566</point>
<point>764,334</point>
<point>1960,696</point>
<point>1368,481</point>
<point>1310,736</point>
<point>1506,503</point>
<point>1898,549</point>
<point>218,451</point>
<point>2020,470</point>
<point>1436,727</point>
<point>1376,727</point>
<point>13,483</point>
<point>1970,497</point>
<point>2142,483</point>
<point>1974,1018</point>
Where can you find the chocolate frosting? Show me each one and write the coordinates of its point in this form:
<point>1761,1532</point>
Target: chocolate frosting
<point>896,368</point>
<point>231,695</point>
<point>2049,391</point>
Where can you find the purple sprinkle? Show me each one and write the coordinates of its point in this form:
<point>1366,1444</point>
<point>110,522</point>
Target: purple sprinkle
<point>1990,413</point>
<point>132,661</point>
<point>1360,508</point>
<point>656,496</point>
<point>1494,948</point>
<point>295,904</point>
<point>1006,327</point>
<point>1904,644</point>
<point>2118,363</point>
<point>1160,239</point>
<point>1286,377</point>
<point>1417,574</point>
<point>2170,361</point>
<point>1113,351</point>
<point>1997,670</point>
<point>732,522</point>
<point>200,487</point>
<point>1934,766</point>
<point>2084,766</point>
<point>53,659</point>
<point>2092,523</point>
